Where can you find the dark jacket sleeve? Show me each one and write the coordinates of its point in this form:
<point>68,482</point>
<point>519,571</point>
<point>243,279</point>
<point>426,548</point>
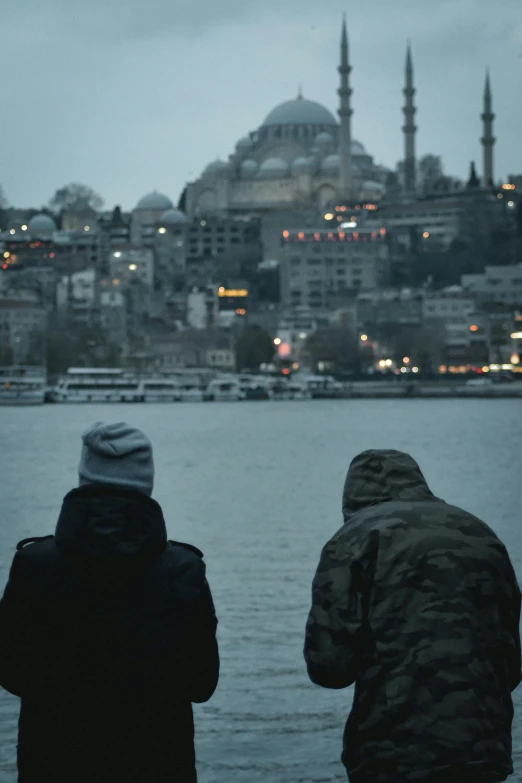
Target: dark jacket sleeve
<point>511,621</point>
<point>334,630</point>
<point>201,668</point>
<point>16,613</point>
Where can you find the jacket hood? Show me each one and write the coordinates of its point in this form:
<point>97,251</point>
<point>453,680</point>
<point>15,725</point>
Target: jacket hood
<point>378,476</point>
<point>110,520</point>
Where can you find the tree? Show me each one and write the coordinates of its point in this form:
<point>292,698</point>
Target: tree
<point>335,346</point>
<point>79,347</point>
<point>75,197</point>
<point>254,346</point>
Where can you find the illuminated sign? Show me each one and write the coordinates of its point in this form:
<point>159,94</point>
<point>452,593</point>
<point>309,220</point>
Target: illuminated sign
<point>232,292</point>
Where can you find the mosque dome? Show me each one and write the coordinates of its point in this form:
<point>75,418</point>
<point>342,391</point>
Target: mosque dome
<point>249,167</point>
<point>301,165</point>
<point>273,167</point>
<point>41,226</point>
<point>323,139</point>
<point>154,201</point>
<point>372,185</point>
<point>216,166</point>
<point>173,216</point>
<point>358,149</point>
<point>331,164</point>
<point>300,111</point>
<point>244,144</point>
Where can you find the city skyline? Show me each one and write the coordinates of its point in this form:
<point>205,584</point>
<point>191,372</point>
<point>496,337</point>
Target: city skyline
<point>128,104</point>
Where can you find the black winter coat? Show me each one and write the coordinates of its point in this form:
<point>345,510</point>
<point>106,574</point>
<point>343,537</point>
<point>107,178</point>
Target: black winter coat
<point>107,633</point>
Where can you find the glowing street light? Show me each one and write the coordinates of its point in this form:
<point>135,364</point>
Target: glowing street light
<point>162,230</point>
<point>364,338</point>
<point>24,227</point>
<point>277,341</point>
<point>406,360</point>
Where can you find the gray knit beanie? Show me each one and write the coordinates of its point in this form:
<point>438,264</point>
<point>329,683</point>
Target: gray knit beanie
<point>117,454</point>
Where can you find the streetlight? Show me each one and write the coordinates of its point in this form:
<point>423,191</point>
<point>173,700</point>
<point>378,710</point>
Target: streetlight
<point>364,338</point>
<point>277,341</point>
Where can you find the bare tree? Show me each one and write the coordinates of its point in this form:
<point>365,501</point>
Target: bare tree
<point>75,197</point>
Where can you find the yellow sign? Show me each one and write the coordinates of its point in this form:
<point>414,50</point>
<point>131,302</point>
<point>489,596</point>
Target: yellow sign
<point>232,292</point>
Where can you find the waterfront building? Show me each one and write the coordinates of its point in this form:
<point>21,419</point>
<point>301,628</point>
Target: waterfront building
<point>321,268</point>
<point>496,284</point>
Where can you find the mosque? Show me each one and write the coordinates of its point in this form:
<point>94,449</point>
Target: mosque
<point>299,161</point>
<point>301,157</point>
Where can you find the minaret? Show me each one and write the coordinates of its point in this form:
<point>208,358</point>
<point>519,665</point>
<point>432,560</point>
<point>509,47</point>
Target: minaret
<point>488,140</point>
<point>409,127</point>
<point>345,115</point>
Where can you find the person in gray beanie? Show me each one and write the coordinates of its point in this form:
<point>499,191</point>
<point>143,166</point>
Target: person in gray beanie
<point>117,454</point>
<point>108,630</point>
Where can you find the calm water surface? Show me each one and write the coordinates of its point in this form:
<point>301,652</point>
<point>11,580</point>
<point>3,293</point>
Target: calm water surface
<point>257,486</point>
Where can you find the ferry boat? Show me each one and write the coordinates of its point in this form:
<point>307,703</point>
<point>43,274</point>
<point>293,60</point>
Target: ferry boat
<point>323,387</point>
<point>254,387</point>
<point>97,384</point>
<point>22,385</point>
<point>224,390</point>
<point>190,388</point>
<point>160,390</point>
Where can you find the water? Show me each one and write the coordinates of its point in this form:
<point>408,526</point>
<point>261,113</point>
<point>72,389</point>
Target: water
<point>257,486</point>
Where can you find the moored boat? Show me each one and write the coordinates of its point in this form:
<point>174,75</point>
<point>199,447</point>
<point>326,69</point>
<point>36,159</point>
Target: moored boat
<point>97,384</point>
<point>22,385</point>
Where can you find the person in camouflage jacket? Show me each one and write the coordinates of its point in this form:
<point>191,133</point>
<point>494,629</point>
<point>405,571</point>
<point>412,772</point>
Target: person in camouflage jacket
<point>417,603</point>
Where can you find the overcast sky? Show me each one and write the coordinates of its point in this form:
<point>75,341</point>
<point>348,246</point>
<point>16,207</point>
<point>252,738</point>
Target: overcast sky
<point>128,96</point>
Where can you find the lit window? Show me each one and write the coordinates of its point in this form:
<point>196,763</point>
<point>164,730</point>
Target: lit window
<point>162,230</point>
<point>132,267</point>
<point>86,228</point>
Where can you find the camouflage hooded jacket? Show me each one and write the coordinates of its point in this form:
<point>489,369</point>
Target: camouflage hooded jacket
<point>417,602</point>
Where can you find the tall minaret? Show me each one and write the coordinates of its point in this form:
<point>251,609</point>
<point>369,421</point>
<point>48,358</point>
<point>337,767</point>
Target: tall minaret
<point>409,127</point>
<point>345,115</point>
<point>488,140</point>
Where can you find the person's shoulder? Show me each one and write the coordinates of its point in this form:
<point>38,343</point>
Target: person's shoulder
<point>186,548</point>
<point>26,542</point>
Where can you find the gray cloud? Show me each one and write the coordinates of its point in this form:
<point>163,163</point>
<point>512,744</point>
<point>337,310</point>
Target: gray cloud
<point>142,95</point>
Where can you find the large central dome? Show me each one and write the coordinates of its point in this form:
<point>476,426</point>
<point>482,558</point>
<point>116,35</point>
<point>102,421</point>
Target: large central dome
<point>300,111</point>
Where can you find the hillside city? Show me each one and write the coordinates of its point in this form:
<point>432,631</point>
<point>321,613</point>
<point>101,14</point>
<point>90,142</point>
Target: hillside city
<point>298,251</point>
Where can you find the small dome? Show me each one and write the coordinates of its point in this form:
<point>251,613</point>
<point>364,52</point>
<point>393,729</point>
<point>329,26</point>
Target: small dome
<point>372,185</point>
<point>244,144</point>
<point>172,216</point>
<point>274,167</point>
<point>249,167</point>
<point>323,139</point>
<point>215,167</point>
<point>358,149</point>
<point>154,201</point>
<point>41,226</point>
<point>300,112</point>
<point>301,165</point>
<point>331,163</point>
